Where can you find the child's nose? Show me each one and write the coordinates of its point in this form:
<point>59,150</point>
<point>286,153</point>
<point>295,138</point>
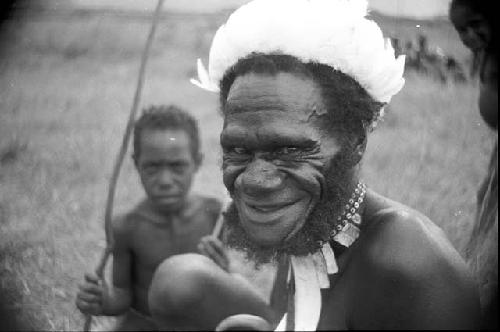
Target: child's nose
<point>165,179</point>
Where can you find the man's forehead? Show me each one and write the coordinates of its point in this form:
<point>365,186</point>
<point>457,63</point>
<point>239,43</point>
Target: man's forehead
<point>283,91</point>
<point>267,123</point>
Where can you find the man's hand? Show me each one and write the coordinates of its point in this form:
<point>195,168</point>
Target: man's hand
<point>213,248</point>
<point>89,299</point>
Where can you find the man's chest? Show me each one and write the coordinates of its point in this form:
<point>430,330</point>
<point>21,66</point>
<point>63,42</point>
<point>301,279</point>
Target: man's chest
<point>334,300</point>
<point>334,308</point>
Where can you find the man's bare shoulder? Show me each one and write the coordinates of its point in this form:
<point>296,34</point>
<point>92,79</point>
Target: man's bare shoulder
<point>401,240</point>
<point>421,280</point>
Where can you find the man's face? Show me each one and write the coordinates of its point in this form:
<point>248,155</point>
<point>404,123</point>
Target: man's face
<point>472,28</point>
<point>275,153</point>
<point>166,167</point>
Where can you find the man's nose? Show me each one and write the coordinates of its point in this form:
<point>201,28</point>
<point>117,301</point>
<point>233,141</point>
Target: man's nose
<point>261,177</point>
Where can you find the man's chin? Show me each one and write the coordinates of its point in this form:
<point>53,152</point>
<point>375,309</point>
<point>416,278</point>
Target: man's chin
<point>263,242</point>
<point>273,228</point>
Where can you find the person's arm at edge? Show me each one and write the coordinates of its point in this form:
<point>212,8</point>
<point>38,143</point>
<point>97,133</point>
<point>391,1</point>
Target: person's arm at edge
<point>118,297</point>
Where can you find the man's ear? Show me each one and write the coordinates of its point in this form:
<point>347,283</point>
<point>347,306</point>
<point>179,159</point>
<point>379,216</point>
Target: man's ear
<point>359,150</point>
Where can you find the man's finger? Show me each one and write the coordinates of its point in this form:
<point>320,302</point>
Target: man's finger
<point>202,247</point>
<point>218,246</point>
<point>220,260</point>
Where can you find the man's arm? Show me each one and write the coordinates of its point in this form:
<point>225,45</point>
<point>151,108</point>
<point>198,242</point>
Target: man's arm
<point>118,297</point>
<point>414,279</point>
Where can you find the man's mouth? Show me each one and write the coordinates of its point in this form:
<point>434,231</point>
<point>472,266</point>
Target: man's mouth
<point>267,208</point>
<point>266,213</point>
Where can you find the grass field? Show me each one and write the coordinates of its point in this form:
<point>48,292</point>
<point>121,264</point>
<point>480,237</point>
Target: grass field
<point>66,86</point>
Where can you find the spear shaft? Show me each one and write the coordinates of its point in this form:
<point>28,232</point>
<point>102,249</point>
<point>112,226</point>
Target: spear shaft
<point>108,215</point>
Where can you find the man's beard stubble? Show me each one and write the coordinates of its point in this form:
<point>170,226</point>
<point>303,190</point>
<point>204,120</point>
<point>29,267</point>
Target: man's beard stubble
<point>339,183</point>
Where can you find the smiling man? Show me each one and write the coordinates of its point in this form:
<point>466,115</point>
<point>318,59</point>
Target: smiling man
<point>306,245</point>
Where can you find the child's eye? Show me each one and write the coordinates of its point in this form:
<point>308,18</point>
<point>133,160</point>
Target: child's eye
<point>150,168</point>
<point>177,167</point>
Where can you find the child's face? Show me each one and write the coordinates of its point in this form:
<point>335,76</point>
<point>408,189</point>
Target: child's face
<point>166,167</point>
<point>472,27</point>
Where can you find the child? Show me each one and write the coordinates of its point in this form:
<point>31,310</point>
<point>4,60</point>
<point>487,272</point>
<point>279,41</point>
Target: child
<point>167,222</point>
<point>475,21</point>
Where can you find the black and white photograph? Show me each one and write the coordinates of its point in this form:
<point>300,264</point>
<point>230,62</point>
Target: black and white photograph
<point>259,165</point>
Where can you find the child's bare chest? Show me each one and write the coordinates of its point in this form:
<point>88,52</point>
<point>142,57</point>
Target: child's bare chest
<point>153,243</point>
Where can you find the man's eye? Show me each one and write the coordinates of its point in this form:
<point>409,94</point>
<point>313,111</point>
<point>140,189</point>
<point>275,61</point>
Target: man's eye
<point>238,150</point>
<point>288,150</point>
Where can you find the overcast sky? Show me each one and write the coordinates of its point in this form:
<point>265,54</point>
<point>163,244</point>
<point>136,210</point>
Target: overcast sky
<point>406,8</point>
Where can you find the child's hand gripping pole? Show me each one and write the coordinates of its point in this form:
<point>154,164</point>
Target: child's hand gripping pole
<point>121,156</point>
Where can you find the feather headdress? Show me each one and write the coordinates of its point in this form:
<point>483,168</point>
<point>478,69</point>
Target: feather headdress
<point>332,32</point>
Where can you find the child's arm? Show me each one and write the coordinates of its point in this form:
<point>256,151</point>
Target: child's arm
<point>94,296</point>
<point>118,297</point>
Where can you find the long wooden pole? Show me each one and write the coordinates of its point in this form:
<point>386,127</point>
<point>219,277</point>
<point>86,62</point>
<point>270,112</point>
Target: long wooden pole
<point>108,215</point>
<point>219,224</point>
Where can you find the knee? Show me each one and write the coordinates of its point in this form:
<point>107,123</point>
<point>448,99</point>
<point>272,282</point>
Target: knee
<point>178,283</point>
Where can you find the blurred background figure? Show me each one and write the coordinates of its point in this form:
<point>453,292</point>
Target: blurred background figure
<point>454,70</point>
<point>430,60</point>
<point>409,51</point>
<point>476,26</point>
<point>396,44</point>
<point>422,53</point>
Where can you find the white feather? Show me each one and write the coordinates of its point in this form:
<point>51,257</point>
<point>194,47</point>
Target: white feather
<point>333,32</point>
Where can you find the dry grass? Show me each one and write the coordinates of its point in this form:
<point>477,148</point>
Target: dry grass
<point>66,86</point>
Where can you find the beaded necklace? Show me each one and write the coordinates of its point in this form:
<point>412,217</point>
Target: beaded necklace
<point>346,229</point>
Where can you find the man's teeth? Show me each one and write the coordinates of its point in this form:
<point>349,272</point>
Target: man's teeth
<point>267,208</point>
<point>264,208</point>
